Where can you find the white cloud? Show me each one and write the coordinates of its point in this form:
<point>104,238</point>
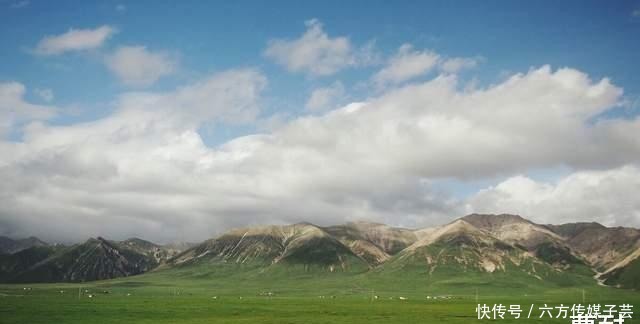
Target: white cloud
<point>456,64</point>
<point>44,94</point>
<point>74,40</point>
<point>120,7</point>
<point>315,52</point>
<point>406,64</point>
<point>102,176</point>
<point>139,67</point>
<point>409,63</point>
<point>608,197</point>
<point>326,97</point>
<point>14,109</point>
<point>145,170</point>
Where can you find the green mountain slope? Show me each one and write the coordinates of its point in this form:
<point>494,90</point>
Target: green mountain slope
<point>475,248</point>
<point>375,243</point>
<point>95,259</point>
<point>9,246</point>
<point>627,276</point>
<point>602,247</point>
<point>541,241</point>
<point>12,265</point>
<point>460,250</point>
<point>301,246</point>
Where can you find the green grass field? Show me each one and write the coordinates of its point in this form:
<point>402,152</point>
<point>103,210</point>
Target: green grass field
<point>187,296</point>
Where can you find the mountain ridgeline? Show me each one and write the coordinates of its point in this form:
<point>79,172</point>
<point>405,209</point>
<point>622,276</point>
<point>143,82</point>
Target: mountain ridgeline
<point>479,245</point>
<point>9,246</point>
<point>94,259</point>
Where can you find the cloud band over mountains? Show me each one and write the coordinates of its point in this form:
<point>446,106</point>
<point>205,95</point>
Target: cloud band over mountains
<point>145,170</point>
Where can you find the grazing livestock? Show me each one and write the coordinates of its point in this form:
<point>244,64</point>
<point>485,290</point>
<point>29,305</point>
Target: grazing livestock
<point>402,298</point>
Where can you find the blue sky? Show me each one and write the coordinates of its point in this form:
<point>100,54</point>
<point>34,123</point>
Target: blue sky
<point>152,49</point>
<point>600,38</point>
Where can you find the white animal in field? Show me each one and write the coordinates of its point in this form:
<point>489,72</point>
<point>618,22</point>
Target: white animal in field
<point>402,298</point>
<point>90,296</point>
<point>129,294</point>
<point>375,297</point>
<point>214,297</point>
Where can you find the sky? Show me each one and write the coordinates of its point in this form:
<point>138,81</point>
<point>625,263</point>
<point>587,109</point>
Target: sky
<point>176,121</point>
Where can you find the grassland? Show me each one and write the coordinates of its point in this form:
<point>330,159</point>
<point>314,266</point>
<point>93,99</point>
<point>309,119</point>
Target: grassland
<point>236,294</point>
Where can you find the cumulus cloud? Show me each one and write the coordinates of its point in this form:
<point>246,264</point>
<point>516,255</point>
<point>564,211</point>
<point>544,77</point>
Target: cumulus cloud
<point>139,67</point>
<point>118,174</point>
<point>456,64</point>
<point>326,97</point>
<point>318,54</point>
<point>14,109</point>
<point>605,196</point>
<point>145,170</point>
<point>406,64</point>
<point>74,40</point>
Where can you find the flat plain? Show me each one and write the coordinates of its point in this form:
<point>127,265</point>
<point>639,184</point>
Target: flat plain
<point>186,297</point>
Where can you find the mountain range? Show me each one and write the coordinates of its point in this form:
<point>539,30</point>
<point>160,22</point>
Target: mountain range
<point>9,246</point>
<point>477,243</point>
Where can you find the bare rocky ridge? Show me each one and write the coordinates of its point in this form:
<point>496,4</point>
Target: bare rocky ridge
<point>614,252</point>
<point>603,247</point>
<point>514,229</point>
<point>537,239</point>
<point>160,253</point>
<point>373,242</point>
<point>465,247</point>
